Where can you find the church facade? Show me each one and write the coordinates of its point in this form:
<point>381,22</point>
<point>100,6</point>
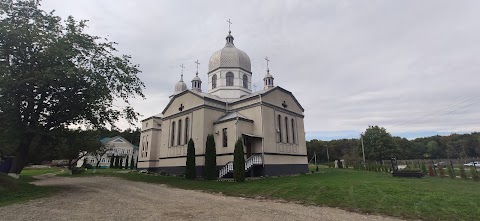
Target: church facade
<point>269,122</point>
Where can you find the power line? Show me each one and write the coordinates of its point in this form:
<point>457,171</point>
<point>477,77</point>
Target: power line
<point>442,109</point>
<point>434,116</point>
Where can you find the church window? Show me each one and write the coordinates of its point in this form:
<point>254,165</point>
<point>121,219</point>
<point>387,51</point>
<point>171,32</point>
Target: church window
<point>225,139</point>
<point>172,141</point>
<point>229,79</point>
<point>214,81</point>
<point>279,128</point>
<point>187,122</point>
<point>286,129</point>
<point>293,132</point>
<point>245,81</point>
<point>179,140</point>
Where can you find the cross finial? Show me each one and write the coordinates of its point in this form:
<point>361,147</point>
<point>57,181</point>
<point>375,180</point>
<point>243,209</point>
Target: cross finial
<point>266,59</point>
<point>182,71</point>
<point>198,63</point>
<point>229,23</point>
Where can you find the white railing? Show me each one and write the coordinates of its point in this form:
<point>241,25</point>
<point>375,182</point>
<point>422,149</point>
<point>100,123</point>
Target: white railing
<point>226,169</point>
<point>249,163</point>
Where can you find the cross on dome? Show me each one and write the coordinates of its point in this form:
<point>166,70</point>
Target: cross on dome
<point>181,76</point>
<point>266,59</point>
<point>229,23</point>
<point>198,63</point>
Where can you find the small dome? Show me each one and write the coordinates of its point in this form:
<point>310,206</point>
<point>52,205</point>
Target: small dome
<point>229,57</point>
<point>196,78</point>
<point>180,86</point>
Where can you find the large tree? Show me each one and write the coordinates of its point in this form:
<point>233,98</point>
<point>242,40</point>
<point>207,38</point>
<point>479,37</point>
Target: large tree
<point>379,144</point>
<point>54,75</point>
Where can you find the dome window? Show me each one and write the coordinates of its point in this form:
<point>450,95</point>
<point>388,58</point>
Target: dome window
<point>229,79</point>
<point>214,81</point>
<point>245,81</point>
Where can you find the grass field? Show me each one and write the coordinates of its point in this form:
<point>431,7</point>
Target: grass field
<point>19,190</point>
<point>362,191</point>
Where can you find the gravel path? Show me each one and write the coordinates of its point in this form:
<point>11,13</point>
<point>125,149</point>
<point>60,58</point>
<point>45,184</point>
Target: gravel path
<point>108,198</point>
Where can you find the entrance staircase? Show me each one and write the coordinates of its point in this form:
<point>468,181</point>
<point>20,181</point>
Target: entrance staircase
<point>249,164</point>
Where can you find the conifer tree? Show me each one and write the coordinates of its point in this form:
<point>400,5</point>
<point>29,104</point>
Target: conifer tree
<point>424,168</point>
<point>132,164</point>
<point>239,162</point>
<point>117,159</point>
<point>112,160</point>
<point>450,172</point>
<point>190,170</point>
<point>441,171</point>
<point>463,175</point>
<point>430,171</point>
<point>210,158</point>
<point>474,174</point>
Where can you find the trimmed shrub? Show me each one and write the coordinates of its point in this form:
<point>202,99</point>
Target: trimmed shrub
<point>474,174</point>
<point>463,175</point>
<point>441,171</point>
<point>126,163</point>
<point>239,162</point>
<point>210,158</point>
<point>423,168</point>
<point>112,160</point>
<point>132,163</point>
<point>190,171</point>
<point>450,172</point>
<point>88,166</point>
<point>430,171</point>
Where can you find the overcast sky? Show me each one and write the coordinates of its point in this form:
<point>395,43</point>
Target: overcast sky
<point>410,66</point>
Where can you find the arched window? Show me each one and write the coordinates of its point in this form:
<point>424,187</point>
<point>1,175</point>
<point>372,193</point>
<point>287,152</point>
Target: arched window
<point>179,139</point>
<point>172,141</point>
<point>229,79</point>
<point>245,81</point>
<point>279,129</point>
<point>214,81</point>
<point>186,129</point>
<point>294,139</point>
<point>286,129</point>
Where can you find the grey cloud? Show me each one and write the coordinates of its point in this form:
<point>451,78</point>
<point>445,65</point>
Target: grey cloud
<point>350,63</point>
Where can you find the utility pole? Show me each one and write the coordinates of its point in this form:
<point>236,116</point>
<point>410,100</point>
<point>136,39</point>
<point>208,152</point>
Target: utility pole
<point>363,149</point>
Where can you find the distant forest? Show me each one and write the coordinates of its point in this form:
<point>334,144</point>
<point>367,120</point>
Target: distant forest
<point>377,140</point>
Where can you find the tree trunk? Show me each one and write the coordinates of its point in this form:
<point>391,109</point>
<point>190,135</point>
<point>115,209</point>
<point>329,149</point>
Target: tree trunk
<point>21,155</point>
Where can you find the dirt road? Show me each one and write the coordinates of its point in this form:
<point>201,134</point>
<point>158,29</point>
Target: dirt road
<point>107,198</point>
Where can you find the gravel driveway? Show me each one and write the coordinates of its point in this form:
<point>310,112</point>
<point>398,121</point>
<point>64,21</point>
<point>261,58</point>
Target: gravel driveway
<point>108,198</point>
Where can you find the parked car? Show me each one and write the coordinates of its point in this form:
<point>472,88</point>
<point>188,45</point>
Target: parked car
<point>470,164</point>
<point>441,163</point>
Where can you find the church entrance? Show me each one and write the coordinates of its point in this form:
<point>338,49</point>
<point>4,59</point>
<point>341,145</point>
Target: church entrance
<point>248,146</point>
<point>248,141</point>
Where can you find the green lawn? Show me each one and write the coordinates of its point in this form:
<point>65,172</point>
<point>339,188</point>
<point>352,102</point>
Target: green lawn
<point>363,191</point>
<point>19,190</point>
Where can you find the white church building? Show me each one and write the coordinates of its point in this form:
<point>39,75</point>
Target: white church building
<point>269,121</point>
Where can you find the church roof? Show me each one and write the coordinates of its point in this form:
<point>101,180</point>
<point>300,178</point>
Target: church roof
<point>230,101</point>
<point>232,116</point>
